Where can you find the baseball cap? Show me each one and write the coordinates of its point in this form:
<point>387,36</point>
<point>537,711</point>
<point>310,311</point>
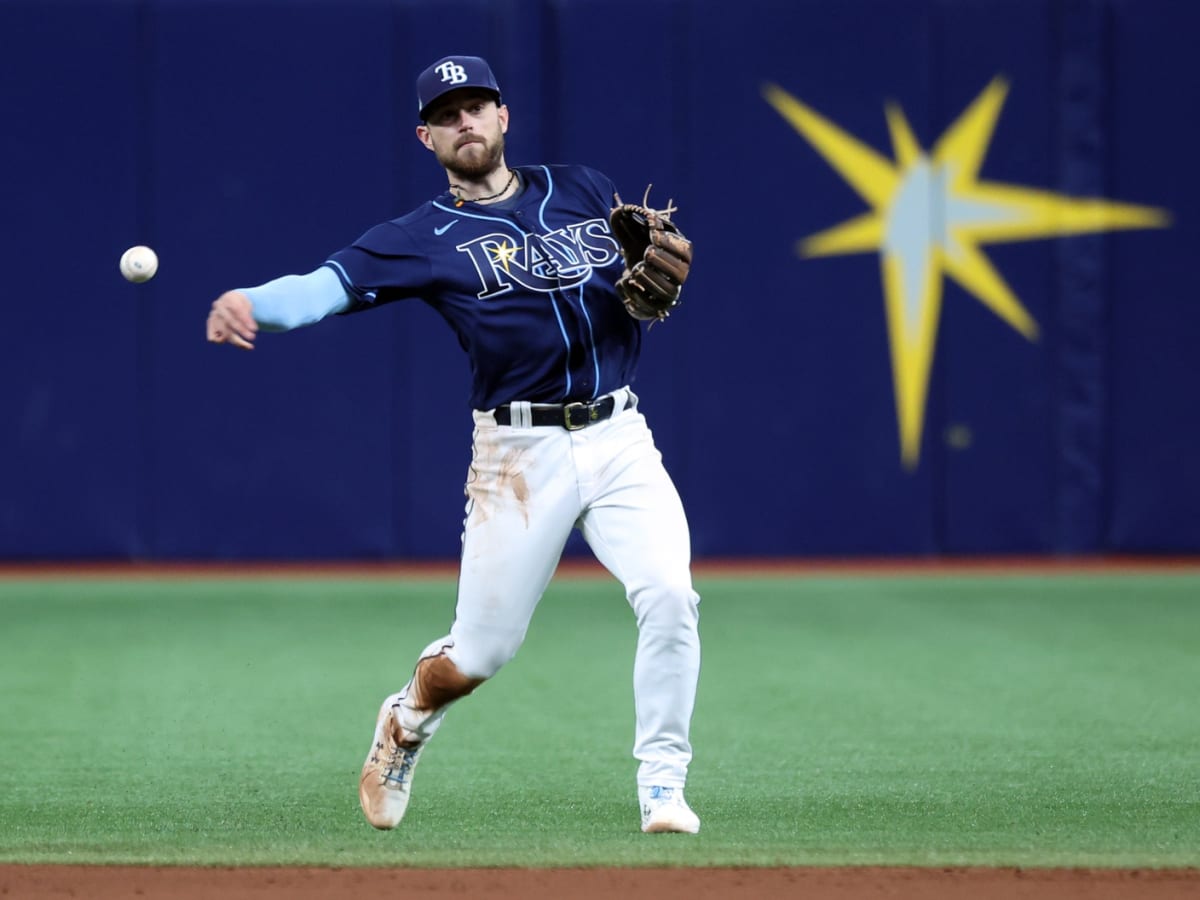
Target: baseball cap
<point>451,73</point>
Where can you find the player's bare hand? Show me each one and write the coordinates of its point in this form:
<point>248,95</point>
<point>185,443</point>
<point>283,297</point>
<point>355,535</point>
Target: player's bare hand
<point>231,321</point>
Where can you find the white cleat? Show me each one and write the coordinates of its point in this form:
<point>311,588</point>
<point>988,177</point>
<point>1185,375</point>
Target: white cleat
<point>664,810</point>
<point>383,790</point>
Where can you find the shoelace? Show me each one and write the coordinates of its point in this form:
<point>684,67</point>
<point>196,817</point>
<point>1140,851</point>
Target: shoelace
<point>400,765</point>
<point>664,795</point>
<point>663,798</point>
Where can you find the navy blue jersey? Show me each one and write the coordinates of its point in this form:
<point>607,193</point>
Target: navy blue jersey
<point>527,288</point>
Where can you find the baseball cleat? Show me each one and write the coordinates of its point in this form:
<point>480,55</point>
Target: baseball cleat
<point>383,790</point>
<point>665,810</point>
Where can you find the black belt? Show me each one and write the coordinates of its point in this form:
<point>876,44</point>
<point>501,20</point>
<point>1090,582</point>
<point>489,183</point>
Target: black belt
<point>571,416</point>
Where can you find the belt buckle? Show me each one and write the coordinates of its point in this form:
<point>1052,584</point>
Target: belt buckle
<point>569,421</point>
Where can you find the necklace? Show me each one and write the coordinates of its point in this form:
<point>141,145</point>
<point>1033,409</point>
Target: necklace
<point>459,199</point>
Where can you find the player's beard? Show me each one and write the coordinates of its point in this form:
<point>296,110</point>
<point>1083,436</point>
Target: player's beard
<point>478,165</point>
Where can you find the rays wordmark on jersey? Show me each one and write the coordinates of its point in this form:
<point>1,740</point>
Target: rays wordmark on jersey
<point>546,262</point>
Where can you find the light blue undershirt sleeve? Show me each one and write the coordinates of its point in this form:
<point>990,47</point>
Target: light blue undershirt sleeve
<point>295,300</point>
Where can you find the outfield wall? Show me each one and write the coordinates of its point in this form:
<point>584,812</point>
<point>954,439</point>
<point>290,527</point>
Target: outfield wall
<point>249,139</point>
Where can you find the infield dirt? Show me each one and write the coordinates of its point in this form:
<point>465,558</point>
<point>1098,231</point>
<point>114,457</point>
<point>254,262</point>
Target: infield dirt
<point>860,883</point>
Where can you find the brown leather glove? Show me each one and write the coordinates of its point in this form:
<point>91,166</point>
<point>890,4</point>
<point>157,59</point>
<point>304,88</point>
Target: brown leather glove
<point>657,258</point>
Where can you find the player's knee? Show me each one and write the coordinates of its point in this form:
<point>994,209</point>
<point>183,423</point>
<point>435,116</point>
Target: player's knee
<point>666,607</point>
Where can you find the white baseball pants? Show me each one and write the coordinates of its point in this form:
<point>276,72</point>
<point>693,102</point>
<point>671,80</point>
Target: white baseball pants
<point>527,488</point>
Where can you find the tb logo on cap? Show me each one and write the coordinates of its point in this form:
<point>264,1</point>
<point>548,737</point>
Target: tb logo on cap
<point>452,72</point>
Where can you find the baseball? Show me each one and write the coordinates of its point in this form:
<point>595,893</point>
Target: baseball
<point>139,264</point>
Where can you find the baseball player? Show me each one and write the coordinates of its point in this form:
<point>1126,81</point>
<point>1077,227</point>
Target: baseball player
<point>547,288</point>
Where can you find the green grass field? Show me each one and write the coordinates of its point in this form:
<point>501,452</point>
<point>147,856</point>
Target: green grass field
<point>930,719</point>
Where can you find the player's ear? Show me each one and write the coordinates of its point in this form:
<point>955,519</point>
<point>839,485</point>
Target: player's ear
<point>502,115</point>
<point>424,136</point>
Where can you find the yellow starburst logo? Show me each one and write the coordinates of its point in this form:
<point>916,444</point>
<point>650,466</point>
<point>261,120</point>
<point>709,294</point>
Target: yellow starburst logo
<point>503,254</point>
<point>929,216</point>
